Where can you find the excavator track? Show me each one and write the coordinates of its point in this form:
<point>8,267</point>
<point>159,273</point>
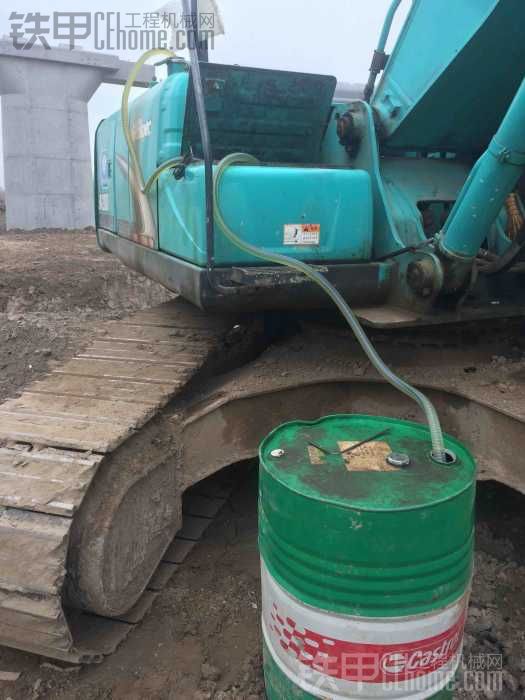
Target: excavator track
<point>95,458</point>
<point>57,441</point>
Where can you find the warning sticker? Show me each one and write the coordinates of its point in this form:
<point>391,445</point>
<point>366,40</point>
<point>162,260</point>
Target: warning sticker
<point>103,201</point>
<point>302,234</point>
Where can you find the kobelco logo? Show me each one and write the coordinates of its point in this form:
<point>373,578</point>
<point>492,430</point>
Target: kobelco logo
<point>140,129</point>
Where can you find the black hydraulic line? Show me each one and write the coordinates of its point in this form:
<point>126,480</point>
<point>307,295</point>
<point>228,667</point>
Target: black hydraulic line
<point>380,58</point>
<point>205,134</point>
<point>200,44</point>
<point>407,249</point>
<point>352,447</point>
<point>379,61</point>
<point>206,145</point>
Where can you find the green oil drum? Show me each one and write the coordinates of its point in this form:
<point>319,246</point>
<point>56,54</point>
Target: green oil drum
<point>366,559</point>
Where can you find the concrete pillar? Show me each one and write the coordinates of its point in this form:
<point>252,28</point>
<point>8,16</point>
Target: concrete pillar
<point>47,158</point>
<point>47,155</point>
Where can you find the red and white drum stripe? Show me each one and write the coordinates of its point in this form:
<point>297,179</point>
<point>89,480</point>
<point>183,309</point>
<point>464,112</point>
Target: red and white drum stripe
<point>334,656</point>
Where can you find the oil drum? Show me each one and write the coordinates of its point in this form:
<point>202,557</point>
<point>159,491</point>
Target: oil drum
<point>366,550</point>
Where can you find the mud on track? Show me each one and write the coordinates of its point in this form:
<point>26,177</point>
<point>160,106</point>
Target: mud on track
<point>202,638</point>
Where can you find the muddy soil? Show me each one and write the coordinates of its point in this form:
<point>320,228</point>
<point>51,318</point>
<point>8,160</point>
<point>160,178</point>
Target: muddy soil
<point>54,287</point>
<point>202,640</point>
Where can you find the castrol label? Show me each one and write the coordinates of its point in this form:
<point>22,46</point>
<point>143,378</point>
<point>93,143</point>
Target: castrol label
<point>339,656</point>
<point>302,234</point>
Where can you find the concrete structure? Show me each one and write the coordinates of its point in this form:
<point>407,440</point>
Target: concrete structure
<point>47,155</point>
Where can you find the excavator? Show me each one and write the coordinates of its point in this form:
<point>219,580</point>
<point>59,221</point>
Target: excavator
<point>275,210</point>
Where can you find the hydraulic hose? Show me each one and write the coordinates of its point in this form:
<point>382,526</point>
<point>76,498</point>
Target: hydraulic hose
<point>387,24</point>
<point>379,59</point>
<point>439,453</point>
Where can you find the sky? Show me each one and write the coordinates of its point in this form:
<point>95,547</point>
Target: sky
<point>334,37</point>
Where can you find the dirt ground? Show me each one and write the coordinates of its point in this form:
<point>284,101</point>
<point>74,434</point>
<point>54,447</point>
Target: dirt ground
<point>201,640</point>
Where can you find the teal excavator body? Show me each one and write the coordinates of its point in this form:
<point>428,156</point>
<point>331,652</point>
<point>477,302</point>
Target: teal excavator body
<point>408,200</point>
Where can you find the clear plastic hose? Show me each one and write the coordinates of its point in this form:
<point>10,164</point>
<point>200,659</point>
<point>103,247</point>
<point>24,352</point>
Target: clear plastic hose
<point>438,446</point>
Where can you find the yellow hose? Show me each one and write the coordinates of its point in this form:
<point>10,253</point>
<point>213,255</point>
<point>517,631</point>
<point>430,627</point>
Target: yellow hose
<point>124,111</point>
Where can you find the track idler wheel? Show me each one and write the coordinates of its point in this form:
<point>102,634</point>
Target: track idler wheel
<point>127,521</point>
